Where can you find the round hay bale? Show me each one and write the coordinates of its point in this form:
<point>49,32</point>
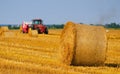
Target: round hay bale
<point>4,28</point>
<point>33,33</point>
<point>83,44</point>
<point>8,34</point>
<point>67,43</point>
<point>20,28</point>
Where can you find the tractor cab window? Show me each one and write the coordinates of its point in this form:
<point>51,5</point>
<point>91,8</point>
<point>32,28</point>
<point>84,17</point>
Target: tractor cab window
<point>36,22</point>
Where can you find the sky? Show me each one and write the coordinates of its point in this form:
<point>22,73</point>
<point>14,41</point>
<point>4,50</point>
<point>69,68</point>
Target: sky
<point>60,11</point>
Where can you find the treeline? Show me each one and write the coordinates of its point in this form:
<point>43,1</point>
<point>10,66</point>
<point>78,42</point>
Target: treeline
<point>112,25</point>
<point>54,26</point>
<point>60,26</point>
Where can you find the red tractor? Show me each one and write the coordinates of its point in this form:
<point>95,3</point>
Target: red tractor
<point>36,25</point>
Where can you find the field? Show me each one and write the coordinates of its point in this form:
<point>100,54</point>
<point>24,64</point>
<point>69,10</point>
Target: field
<point>23,54</point>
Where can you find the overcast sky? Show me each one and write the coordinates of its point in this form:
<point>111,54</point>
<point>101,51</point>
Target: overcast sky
<point>60,11</point>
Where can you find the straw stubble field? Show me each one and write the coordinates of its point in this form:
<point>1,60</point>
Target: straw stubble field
<point>24,54</point>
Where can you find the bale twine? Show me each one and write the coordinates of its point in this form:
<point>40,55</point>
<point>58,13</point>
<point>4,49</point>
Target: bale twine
<point>33,33</point>
<point>83,44</point>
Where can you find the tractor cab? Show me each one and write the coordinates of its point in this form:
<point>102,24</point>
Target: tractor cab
<point>37,24</point>
<point>37,21</point>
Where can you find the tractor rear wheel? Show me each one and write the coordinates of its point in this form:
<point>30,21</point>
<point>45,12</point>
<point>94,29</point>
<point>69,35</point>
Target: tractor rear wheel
<point>46,31</point>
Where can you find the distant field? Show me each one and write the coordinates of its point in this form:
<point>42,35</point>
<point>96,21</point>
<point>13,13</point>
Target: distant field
<point>22,54</point>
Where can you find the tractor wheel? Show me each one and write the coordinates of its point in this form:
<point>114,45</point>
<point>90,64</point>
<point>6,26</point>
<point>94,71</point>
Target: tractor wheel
<point>46,31</point>
<point>38,30</point>
<point>23,31</point>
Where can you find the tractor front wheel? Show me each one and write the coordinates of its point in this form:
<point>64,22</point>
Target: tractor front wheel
<point>38,30</point>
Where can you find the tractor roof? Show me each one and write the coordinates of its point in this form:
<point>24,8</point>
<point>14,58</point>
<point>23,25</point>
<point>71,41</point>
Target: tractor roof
<point>37,20</point>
